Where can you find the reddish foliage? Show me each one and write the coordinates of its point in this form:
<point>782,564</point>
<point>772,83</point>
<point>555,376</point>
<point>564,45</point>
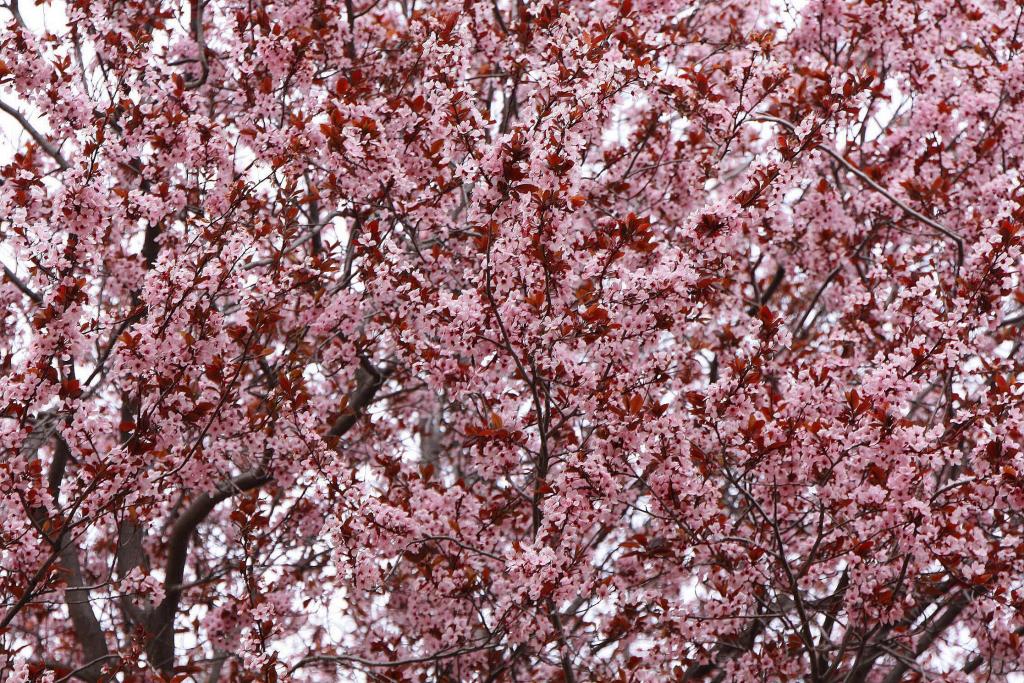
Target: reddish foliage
<point>504,341</point>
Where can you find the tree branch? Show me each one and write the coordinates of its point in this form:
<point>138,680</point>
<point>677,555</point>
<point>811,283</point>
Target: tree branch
<point>869,181</point>
<point>87,627</point>
<point>951,614</point>
<point>39,138</point>
<point>369,380</point>
<point>161,623</point>
<point>197,36</point>
<point>370,663</point>
<point>25,289</point>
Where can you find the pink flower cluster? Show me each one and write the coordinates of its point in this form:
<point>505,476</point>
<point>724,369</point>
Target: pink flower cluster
<point>493,340</point>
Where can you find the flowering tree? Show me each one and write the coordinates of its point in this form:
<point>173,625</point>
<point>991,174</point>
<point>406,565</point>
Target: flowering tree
<point>512,341</point>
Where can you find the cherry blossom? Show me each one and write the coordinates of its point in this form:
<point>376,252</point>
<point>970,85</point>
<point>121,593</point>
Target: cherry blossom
<point>624,340</point>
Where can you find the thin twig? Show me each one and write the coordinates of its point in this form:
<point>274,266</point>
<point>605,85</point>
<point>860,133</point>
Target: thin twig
<point>353,659</point>
<point>867,180</point>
